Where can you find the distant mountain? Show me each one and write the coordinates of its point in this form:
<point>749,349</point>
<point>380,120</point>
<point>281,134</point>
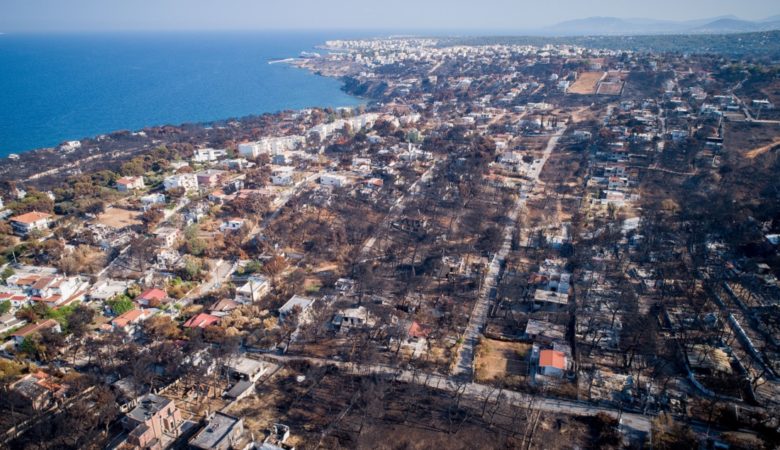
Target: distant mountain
<point>636,26</point>
<point>736,26</point>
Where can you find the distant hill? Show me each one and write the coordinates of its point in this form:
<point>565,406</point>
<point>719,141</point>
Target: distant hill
<point>639,26</point>
<point>737,26</point>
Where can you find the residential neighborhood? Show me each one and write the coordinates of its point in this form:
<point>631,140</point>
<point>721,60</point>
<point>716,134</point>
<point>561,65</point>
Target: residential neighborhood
<point>554,245</point>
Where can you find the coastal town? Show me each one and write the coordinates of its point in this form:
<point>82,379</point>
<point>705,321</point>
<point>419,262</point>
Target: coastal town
<point>546,246</point>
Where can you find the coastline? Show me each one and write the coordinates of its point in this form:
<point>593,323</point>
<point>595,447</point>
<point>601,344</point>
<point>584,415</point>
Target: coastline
<point>42,167</point>
<point>135,81</point>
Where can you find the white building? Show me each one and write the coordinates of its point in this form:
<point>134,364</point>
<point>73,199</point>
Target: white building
<point>187,181</point>
<point>270,146</point>
<point>148,201</point>
<point>253,290</point>
<point>347,319</point>
<point>250,149</point>
<point>46,286</point>
<point>552,363</point>
<point>208,154</point>
<point>324,130</point>
<point>303,304</point>
<point>282,176</point>
<point>233,224</point>
<point>70,146</point>
<point>331,179</point>
<point>32,221</point>
<point>167,236</point>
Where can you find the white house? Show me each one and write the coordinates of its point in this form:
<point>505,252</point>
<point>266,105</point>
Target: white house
<point>282,176</point>
<point>24,224</point>
<point>243,368</point>
<point>331,179</point>
<point>233,224</point>
<point>69,146</point>
<point>187,181</point>
<point>208,154</point>
<point>56,290</point>
<point>167,236</point>
<point>49,324</point>
<point>148,201</point>
<point>253,290</point>
<point>296,302</point>
<point>347,319</point>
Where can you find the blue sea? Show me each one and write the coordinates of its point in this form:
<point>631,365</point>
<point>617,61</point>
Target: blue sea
<point>61,87</point>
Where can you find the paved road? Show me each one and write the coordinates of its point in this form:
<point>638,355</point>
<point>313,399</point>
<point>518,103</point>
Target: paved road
<point>465,363</point>
<point>635,421</point>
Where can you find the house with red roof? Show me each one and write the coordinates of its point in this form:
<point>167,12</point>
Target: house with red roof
<point>130,320</point>
<point>152,297</point>
<point>57,290</point>
<point>202,320</point>
<point>28,330</point>
<point>44,287</point>
<point>552,363</point>
<point>17,299</point>
<point>24,224</point>
<point>128,184</point>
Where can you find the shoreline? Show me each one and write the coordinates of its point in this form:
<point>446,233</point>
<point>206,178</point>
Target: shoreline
<point>230,84</point>
<point>295,62</point>
<point>48,162</point>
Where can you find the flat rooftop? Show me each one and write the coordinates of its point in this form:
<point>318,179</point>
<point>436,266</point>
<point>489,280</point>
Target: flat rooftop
<point>218,428</point>
<point>148,406</point>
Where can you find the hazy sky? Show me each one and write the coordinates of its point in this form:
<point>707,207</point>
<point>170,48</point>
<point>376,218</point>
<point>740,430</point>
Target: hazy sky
<point>94,15</point>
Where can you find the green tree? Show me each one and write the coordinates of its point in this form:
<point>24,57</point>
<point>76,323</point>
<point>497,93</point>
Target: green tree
<point>120,304</point>
<point>193,244</point>
<point>193,269</point>
<point>5,306</point>
<point>7,272</point>
<point>134,167</point>
<point>32,346</point>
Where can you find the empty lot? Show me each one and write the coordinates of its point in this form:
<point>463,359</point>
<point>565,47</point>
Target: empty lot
<point>586,83</point>
<point>501,360</point>
<point>119,218</point>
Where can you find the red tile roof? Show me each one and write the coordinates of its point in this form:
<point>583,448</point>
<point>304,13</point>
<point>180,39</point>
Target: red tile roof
<point>42,282</point>
<point>552,358</point>
<point>127,318</point>
<point>34,327</point>
<point>127,180</point>
<point>31,217</point>
<point>50,299</point>
<point>202,320</point>
<point>153,294</point>
<point>418,331</point>
<point>12,296</point>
